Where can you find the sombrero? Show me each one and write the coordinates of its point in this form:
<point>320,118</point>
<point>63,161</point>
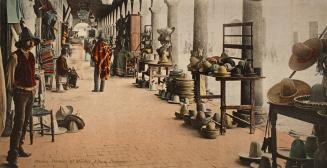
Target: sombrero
<point>79,121</point>
<point>285,91</point>
<point>25,36</point>
<point>222,72</point>
<point>64,111</point>
<point>254,155</point>
<point>304,55</point>
<point>317,100</point>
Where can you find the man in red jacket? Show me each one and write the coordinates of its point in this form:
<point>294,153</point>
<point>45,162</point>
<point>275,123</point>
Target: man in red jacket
<point>21,83</point>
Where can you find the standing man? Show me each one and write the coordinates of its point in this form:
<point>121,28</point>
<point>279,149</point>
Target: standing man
<point>22,85</point>
<point>101,57</point>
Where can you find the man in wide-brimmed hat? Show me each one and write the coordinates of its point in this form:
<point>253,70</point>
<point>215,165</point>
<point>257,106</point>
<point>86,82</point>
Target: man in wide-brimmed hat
<point>22,85</point>
<point>102,58</point>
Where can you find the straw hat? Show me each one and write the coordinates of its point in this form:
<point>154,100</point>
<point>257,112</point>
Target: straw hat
<point>207,133</point>
<point>236,72</point>
<point>79,121</point>
<point>284,92</point>
<point>311,145</point>
<point>64,111</point>
<point>316,100</point>
<point>175,100</point>
<point>222,71</point>
<point>254,153</point>
<point>72,127</point>
<point>57,130</point>
<point>153,87</point>
<point>184,77</point>
<point>304,55</point>
<point>298,149</point>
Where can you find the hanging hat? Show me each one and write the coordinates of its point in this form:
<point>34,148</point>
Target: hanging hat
<point>26,35</point>
<point>253,155</point>
<point>64,111</point>
<point>285,91</point>
<point>317,100</point>
<point>304,55</point>
<point>175,100</point>
<point>222,72</point>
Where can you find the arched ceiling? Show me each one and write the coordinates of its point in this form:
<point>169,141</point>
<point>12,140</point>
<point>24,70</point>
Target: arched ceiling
<point>94,6</point>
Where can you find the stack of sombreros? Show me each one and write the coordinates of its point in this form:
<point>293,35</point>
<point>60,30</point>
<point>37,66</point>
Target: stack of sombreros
<point>70,119</point>
<point>170,80</point>
<point>184,87</point>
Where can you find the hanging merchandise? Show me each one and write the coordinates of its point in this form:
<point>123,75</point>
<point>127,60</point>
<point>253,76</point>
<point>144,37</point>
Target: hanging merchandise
<point>42,6</point>
<point>14,11</point>
<point>49,20</point>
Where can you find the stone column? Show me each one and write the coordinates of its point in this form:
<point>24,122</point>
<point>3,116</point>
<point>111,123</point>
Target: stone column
<point>252,12</point>
<point>155,22</point>
<point>110,24</point>
<point>145,15</point>
<point>172,21</point>
<point>200,34</point>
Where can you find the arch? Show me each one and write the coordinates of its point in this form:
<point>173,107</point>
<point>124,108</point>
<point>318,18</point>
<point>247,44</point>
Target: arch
<point>82,29</point>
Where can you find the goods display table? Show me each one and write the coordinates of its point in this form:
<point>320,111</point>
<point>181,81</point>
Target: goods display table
<point>155,71</point>
<point>309,116</point>
<point>222,97</point>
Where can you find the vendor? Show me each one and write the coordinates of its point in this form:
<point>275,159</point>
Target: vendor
<point>22,85</point>
<point>62,67</point>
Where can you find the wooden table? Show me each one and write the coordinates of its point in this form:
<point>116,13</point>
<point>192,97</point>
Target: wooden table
<point>158,69</point>
<point>309,116</point>
<point>222,97</point>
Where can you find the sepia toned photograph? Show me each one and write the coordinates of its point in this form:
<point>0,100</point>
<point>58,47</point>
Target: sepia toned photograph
<point>163,83</point>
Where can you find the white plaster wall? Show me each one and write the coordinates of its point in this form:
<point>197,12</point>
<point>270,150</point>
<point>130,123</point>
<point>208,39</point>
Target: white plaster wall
<point>282,18</point>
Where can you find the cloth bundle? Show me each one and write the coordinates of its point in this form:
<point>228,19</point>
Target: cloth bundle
<point>47,62</point>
